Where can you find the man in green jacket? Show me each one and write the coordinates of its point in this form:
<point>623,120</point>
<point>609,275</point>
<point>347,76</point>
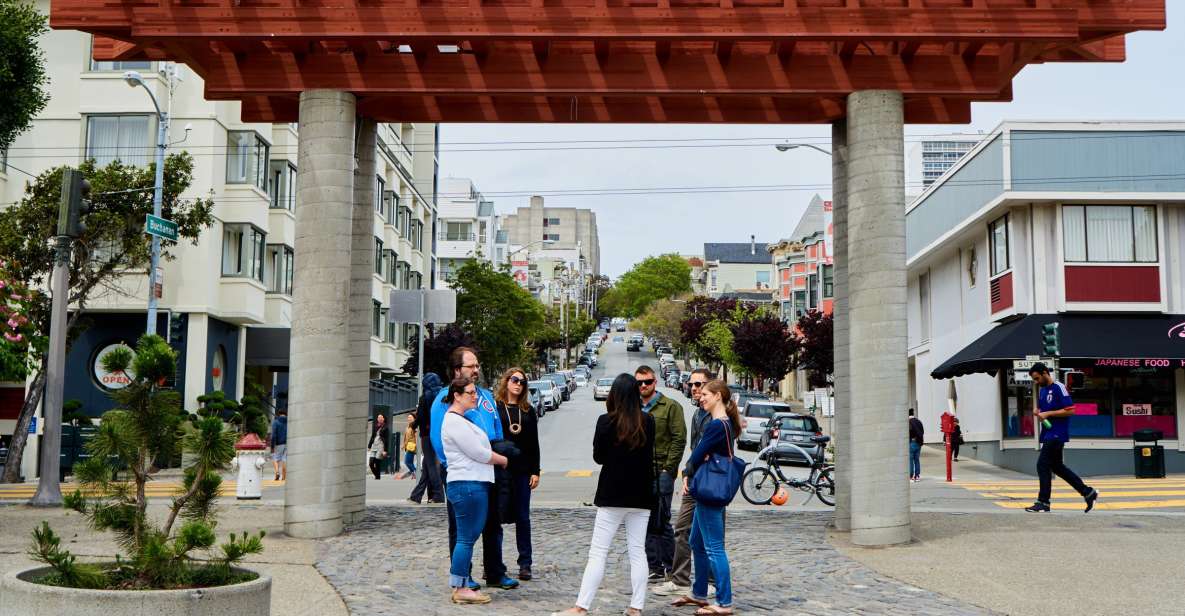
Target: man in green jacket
<point>670,436</point>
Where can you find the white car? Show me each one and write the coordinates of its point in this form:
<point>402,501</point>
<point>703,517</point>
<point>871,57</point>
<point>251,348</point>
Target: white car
<point>551,394</point>
<point>755,415</point>
<point>667,358</point>
<point>581,380</point>
<point>601,389</point>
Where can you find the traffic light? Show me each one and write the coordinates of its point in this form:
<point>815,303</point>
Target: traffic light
<point>1051,341</point>
<point>74,203</point>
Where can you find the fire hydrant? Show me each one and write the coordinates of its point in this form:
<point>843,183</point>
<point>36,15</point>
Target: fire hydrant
<point>249,461</point>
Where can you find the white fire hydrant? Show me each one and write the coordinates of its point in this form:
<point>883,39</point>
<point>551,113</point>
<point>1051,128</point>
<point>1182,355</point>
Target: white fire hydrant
<point>249,461</point>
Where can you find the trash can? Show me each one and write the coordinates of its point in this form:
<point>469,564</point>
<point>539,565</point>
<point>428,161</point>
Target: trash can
<point>1148,454</point>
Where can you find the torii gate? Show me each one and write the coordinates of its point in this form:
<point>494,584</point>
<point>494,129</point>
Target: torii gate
<point>864,66</point>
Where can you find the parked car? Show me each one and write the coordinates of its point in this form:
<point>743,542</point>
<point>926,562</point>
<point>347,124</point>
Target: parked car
<point>583,361</point>
<point>619,339</point>
<point>583,369</point>
<point>581,380</point>
<point>673,379</point>
<point>756,414</point>
<point>793,428</point>
<point>536,398</point>
<point>742,396</point>
<point>684,378</point>
<point>570,376</point>
<point>561,383</point>
<point>601,389</point>
<point>592,358</point>
<point>550,393</point>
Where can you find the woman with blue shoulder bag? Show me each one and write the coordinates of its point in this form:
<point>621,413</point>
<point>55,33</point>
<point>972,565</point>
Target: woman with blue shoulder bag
<point>716,473</point>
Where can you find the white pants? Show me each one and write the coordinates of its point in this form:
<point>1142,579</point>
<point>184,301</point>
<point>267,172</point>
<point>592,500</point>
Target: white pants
<point>608,520</point>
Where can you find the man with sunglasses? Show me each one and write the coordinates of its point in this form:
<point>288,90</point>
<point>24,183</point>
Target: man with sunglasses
<point>670,435</point>
<point>463,363</point>
<point>680,582</point>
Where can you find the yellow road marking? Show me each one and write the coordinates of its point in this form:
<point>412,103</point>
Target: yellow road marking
<point>1100,505</point>
<point>1105,494</point>
<point>578,474</point>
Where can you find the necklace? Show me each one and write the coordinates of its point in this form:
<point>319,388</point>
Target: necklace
<point>514,428</point>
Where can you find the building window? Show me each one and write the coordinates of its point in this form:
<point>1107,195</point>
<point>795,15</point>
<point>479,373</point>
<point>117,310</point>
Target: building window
<point>380,187</point>
<point>417,235</point>
<point>458,231</point>
<point>378,256</point>
<point>551,222</point>
<point>282,185</point>
<point>555,237</point>
<point>762,280</point>
<point>391,205</point>
<point>124,138</point>
<point>246,158</point>
<point>998,238</point>
<point>828,281</point>
<point>242,251</point>
<point>924,302</point>
<point>389,258</point>
<point>799,304</point>
<point>812,291</point>
<point>127,65</point>
<point>1110,233</point>
<point>279,269</point>
<point>376,315</point>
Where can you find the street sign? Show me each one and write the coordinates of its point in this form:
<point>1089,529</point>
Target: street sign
<point>32,425</point>
<point>440,306</point>
<point>159,291</point>
<point>1025,364</point>
<point>164,229</point>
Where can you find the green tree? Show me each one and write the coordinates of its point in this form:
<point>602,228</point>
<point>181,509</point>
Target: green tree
<point>652,279</point>
<point>500,315</point>
<point>438,344</point>
<point>22,68</point>
<point>112,244</point>
<point>764,345</point>
<point>663,320</point>
<point>717,336</point>
<point>19,340</point>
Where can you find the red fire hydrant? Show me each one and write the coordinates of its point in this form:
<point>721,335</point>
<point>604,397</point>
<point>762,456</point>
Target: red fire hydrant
<point>948,429</point>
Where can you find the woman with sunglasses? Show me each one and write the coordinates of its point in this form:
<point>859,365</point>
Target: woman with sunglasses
<point>520,425</point>
<point>470,475</point>
<point>623,445</point>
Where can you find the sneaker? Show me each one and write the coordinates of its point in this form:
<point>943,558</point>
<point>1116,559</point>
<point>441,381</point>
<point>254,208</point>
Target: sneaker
<point>506,583</point>
<point>656,578</point>
<point>474,586</point>
<point>1037,507</point>
<point>1090,499</point>
<point>670,588</point>
<point>524,574</point>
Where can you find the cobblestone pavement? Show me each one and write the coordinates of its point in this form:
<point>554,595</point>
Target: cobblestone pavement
<point>395,562</point>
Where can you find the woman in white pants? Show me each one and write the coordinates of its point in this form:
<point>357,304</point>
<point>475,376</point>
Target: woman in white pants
<point>624,447</point>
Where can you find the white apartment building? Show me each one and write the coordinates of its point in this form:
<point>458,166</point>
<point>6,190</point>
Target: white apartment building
<point>468,229</point>
<point>928,159</point>
<point>227,300</point>
<point>740,269</point>
<point>565,233</point>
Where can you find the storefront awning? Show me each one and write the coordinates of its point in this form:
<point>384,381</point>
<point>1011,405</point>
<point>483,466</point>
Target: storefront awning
<point>1083,336</point>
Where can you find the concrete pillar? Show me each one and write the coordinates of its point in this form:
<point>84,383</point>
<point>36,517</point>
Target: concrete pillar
<point>361,287</point>
<point>841,429</point>
<point>320,312</point>
<point>197,336</point>
<point>876,323</point>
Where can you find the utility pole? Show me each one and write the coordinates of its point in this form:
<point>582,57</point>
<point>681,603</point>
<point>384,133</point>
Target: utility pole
<point>70,211</point>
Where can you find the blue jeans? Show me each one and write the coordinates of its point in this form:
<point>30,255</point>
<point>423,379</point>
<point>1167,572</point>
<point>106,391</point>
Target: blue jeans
<point>708,555</point>
<point>470,501</point>
<point>409,460</point>
<point>915,459</point>
<point>522,526</point>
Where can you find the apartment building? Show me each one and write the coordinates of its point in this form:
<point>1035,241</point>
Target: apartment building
<point>227,301</point>
<point>805,272</point>
<point>468,229</point>
<point>565,233</point>
<point>738,269</point>
<point>1080,224</point>
<point>926,160</point>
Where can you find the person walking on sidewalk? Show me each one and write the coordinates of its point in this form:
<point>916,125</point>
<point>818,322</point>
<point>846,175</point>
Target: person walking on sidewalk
<point>1054,408</point>
<point>470,477</point>
<point>429,481</point>
<point>521,426</point>
<point>409,447</point>
<point>680,582</point>
<point>279,444</point>
<point>956,438</point>
<point>707,530</point>
<point>623,444</point>
<point>670,435</point>
<point>917,434</point>
<point>378,445</point>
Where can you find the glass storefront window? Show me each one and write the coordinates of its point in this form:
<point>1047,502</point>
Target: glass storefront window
<point>1110,404</point>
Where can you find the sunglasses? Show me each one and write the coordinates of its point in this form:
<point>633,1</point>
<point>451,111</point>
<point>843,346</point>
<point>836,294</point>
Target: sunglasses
<point>470,392</point>
<point>645,382</point>
<point>517,380</point>
<point>697,383</point>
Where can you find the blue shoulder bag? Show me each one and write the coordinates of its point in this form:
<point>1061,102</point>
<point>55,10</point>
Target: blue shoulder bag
<point>716,481</point>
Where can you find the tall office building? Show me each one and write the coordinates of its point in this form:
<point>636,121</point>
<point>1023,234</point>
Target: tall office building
<point>927,160</point>
<point>558,232</point>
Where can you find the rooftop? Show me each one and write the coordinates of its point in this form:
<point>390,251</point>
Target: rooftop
<point>739,252</point>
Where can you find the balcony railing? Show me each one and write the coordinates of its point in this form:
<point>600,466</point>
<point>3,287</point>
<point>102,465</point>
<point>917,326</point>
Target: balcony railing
<point>456,237</point>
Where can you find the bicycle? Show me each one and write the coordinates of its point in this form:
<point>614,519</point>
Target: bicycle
<point>760,483</point>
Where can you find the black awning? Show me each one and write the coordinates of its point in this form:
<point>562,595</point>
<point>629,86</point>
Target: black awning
<point>1083,336</point>
<point>268,346</point>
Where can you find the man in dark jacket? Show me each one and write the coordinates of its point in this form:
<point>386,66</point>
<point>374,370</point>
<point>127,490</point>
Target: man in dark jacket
<point>917,438</point>
<point>430,477</point>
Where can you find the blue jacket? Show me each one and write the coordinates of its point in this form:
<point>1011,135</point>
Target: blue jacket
<point>485,416</point>
<point>280,430</point>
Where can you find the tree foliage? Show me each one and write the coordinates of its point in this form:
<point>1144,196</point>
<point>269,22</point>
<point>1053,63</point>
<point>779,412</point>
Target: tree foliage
<point>142,429</point>
<point>22,68</point>
<point>764,346</point>
<point>112,244</point>
<point>439,342</point>
<point>652,279</point>
<point>663,321</point>
<point>816,337</point>
<point>20,340</point>
<point>499,314</point>
<point>697,314</point>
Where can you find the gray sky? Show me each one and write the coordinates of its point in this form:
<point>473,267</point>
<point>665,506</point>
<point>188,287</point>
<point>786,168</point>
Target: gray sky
<point>1150,85</point>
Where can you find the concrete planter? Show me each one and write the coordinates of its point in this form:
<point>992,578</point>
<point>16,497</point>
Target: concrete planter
<point>19,596</point>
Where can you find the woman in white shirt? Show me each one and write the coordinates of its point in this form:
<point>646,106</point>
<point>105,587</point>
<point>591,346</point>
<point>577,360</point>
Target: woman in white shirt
<point>470,476</point>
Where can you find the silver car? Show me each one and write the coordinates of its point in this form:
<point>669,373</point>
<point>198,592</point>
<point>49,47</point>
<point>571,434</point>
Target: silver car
<point>601,389</point>
<point>756,414</point>
<point>550,393</point>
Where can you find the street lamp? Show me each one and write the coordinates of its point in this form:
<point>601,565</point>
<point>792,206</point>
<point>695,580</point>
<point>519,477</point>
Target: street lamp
<point>782,147</point>
<point>514,252</point>
<point>133,79</point>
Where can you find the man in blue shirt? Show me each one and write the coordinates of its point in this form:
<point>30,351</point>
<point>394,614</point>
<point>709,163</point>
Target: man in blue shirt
<point>463,364</point>
<point>1054,410</point>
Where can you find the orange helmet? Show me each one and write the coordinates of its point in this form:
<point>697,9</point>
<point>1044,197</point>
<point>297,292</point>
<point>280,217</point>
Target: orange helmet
<point>780,497</point>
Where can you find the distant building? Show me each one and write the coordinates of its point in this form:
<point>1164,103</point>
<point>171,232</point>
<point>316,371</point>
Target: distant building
<point>737,267</point>
<point>556,231</point>
<point>927,160</point>
<point>696,263</point>
<point>467,228</point>
<point>803,263</point>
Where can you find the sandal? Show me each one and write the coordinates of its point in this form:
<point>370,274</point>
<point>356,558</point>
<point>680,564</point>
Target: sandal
<point>713,610</point>
<point>475,599</point>
<point>686,600</point>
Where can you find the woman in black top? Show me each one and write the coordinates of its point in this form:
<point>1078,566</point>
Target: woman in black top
<point>624,447</point>
<point>520,426</point>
